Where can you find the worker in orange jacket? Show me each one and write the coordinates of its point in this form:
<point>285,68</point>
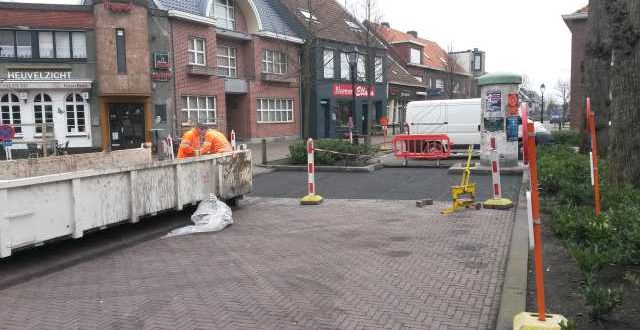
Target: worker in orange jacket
<point>190,142</point>
<point>215,142</point>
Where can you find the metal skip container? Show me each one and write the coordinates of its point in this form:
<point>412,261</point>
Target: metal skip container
<point>499,92</point>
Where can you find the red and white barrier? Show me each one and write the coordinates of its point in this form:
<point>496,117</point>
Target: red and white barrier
<point>233,140</point>
<point>495,170</point>
<point>311,184</point>
<point>311,198</point>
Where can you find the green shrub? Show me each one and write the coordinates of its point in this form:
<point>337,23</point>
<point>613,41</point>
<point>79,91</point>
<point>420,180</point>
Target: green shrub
<point>298,152</point>
<point>569,138</point>
<point>568,325</point>
<point>591,258</point>
<point>601,301</point>
<point>565,175</point>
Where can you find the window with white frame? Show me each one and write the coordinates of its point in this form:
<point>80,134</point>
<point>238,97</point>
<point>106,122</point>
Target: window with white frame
<point>345,69</point>
<point>201,109</point>
<point>197,53</point>
<point>43,44</point>
<point>328,63</point>
<point>419,78</point>
<point>415,56</point>
<point>10,112</point>
<point>76,110</point>
<point>308,15</point>
<point>439,84</point>
<point>227,62</point>
<point>274,62</point>
<point>224,13</point>
<point>275,110</point>
<point>43,112</point>
<point>379,70</point>
<point>362,67</point>
<point>477,62</point>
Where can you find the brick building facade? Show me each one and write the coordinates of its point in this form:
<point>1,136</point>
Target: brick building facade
<point>427,62</point>
<point>235,67</point>
<point>577,23</point>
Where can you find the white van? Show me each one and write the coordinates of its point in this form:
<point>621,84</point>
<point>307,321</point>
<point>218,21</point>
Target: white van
<point>460,119</point>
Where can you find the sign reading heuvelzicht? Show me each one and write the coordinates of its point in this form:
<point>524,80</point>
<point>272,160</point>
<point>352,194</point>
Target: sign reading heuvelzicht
<point>39,75</point>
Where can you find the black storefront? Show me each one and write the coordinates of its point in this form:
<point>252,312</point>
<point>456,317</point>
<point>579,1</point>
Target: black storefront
<point>332,98</point>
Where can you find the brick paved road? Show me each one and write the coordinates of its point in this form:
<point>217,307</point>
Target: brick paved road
<point>359,264</point>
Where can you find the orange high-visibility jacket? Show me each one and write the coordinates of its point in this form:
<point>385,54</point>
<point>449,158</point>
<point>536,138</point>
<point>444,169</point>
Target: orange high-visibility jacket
<point>215,142</point>
<point>189,144</point>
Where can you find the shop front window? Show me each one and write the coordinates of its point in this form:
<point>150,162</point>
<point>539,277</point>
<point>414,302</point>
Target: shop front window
<point>76,109</point>
<point>43,113</point>
<point>10,112</point>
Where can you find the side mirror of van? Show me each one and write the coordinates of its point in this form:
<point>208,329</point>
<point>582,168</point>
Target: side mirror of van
<point>478,128</point>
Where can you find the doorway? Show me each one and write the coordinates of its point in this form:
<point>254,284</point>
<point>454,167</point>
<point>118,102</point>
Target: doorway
<point>126,125</point>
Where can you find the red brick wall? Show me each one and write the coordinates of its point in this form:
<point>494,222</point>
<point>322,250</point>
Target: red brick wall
<point>137,79</point>
<point>196,85</point>
<point>50,19</point>
<point>264,89</point>
<point>579,30</point>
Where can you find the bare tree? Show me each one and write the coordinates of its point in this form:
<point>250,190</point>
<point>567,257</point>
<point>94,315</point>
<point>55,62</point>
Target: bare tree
<point>624,22</point>
<point>453,70</point>
<point>562,86</point>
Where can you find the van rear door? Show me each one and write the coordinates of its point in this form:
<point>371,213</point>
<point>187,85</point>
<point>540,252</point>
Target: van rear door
<point>426,118</point>
<point>463,122</point>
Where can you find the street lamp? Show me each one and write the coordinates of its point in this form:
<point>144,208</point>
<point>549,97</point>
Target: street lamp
<point>542,88</point>
<point>353,67</point>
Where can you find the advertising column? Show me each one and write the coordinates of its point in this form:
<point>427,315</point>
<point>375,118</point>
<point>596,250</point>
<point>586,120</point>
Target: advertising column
<point>499,93</point>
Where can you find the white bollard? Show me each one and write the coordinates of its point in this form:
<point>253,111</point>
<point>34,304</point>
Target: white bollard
<point>233,140</point>
<point>497,202</point>
<point>311,198</point>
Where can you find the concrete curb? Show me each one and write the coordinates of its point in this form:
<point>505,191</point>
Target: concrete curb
<point>514,289</point>
<point>298,168</point>
<point>477,168</point>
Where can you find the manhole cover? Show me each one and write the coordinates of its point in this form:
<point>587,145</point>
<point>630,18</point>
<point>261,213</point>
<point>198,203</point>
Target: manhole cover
<point>469,247</point>
<point>399,238</point>
<point>459,232</point>
<point>397,254</point>
<point>475,265</point>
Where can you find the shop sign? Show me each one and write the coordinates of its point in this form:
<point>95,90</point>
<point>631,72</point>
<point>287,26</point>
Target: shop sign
<point>161,61</point>
<point>118,7</point>
<point>45,85</point>
<point>346,90</point>
<point>39,75</point>
<point>161,75</point>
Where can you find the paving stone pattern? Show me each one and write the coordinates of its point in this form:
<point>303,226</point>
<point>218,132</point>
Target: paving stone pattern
<point>357,264</point>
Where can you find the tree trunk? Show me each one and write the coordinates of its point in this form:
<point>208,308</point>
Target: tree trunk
<point>597,65</point>
<point>625,89</point>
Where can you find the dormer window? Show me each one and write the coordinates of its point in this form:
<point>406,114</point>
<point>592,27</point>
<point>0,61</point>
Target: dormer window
<point>415,56</point>
<point>224,14</point>
<point>308,15</point>
<point>352,25</point>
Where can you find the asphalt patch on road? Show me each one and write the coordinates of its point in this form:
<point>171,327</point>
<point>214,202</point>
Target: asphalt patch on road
<point>385,184</point>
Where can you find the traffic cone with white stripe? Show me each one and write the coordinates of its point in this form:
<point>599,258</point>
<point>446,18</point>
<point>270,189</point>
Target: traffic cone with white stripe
<point>311,198</point>
<point>497,202</point>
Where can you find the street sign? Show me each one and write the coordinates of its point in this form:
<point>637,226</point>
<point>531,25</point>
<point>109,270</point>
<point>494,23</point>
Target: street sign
<point>7,132</point>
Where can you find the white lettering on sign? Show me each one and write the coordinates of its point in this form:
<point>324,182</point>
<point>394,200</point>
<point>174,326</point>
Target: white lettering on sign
<point>346,90</point>
<point>39,75</point>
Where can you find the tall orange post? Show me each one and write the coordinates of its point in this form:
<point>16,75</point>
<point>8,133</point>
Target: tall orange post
<point>537,232</point>
<point>591,125</point>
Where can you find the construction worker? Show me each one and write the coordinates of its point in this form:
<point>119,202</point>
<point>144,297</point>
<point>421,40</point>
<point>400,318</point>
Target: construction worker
<point>215,142</point>
<point>190,142</point>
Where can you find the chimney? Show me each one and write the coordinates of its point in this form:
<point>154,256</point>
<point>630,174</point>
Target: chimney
<point>413,33</point>
<point>386,24</point>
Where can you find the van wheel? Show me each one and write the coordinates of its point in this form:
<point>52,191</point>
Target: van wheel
<point>233,201</point>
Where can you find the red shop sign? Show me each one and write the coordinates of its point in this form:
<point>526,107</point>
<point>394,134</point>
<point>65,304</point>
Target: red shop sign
<point>346,90</point>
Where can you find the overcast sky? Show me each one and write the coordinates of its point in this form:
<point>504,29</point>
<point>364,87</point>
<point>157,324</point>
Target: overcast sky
<point>523,36</point>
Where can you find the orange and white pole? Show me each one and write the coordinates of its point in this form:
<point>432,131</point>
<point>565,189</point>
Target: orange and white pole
<point>595,177</point>
<point>233,140</point>
<point>311,198</point>
<point>537,231</point>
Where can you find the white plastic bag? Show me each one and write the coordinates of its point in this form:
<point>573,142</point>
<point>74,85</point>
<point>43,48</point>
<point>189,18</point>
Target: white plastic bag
<point>211,215</point>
